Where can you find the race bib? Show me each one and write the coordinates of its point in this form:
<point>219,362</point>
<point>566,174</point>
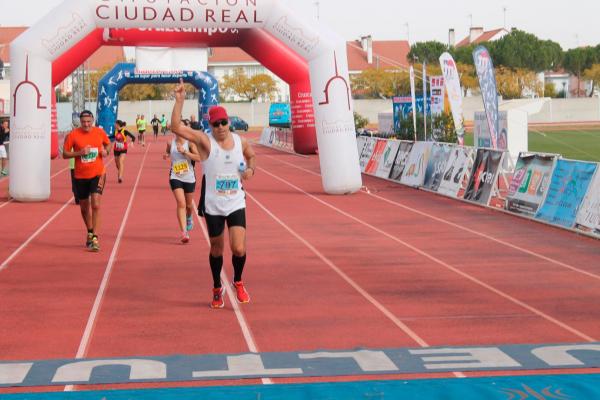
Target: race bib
<point>119,145</point>
<point>91,156</point>
<point>181,167</point>
<point>227,184</point>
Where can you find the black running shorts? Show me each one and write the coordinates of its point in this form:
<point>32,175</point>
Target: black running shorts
<point>216,223</point>
<point>85,187</point>
<point>187,187</point>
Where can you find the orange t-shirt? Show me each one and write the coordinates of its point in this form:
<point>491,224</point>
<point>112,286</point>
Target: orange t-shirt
<point>91,165</point>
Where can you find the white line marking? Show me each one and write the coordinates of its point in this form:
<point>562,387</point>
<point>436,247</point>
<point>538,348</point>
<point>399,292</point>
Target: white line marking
<point>442,263</point>
<point>87,334</point>
<point>463,228</point>
<point>246,332</point>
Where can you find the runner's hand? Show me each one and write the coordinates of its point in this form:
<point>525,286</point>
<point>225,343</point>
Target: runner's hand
<point>180,91</point>
<point>86,150</point>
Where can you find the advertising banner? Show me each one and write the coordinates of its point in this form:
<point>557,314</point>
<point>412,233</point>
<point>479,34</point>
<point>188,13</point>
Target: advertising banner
<point>436,93</point>
<point>484,177</point>
<point>364,156</point>
<point>481,131</point>
<point>487,82</point>
<point>413,99</point>
<point>400,161</point>
<point>387,161</point>
<point>529,183</point>
<point>414,172</point>
<point>376,157</point>
<point>402,108</point>
<point>569,185</point>
<point>456,171</point>
<point>589,212</point>
<point>436,166</point>
<point>455,97</point>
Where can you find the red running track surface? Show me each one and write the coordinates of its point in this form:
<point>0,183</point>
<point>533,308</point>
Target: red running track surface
<point>391,267</point>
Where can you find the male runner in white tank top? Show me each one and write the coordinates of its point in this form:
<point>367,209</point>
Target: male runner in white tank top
<point>222,155</point>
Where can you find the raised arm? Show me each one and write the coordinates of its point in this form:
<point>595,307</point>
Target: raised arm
<point>197,137</point>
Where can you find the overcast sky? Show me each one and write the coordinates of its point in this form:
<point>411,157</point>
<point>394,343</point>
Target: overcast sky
<point>572,23</point>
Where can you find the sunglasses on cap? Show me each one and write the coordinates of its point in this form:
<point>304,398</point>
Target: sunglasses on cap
<point>222,122</point>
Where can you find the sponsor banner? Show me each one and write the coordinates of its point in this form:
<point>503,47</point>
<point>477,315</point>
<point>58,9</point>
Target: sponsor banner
<point>456,172</point>
<point>413,99</point>
<point>455,97</point>
<point>376,157</point>
<point>436,93</point>
<point>529,183</point>
<point>366,152</point>
<point>400,160</point>
<point>484,177</point>
<point>387,162</point>
<point>589,212</point>
<point>487,83</point>
<point>436,166</point>
<point>481,131</point>
<point>282,139</point>
<point>360,143</point>
<point>402,108</point>
<point>414,172</point>
<point>569,185</point>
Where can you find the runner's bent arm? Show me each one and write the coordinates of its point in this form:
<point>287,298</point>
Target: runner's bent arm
<point>250,157</point>
<point>193,153</point>
<point>197,137</point>
<point>168,153</point>
<point>68,151</point>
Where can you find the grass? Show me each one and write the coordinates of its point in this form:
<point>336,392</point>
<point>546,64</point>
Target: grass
<point>574,143</point>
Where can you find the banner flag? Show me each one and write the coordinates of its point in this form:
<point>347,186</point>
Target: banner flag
<point>589,212</point>
<point>436,166</point>
<point>529,184</point>
<point>414,172</point>
<point>455,97</point>
<point>425,97</point>
<point>413,96</point>
<point>489,93</point>
<point>456,172</point>
<point>436,95</point>
<point>387,162</point>
<point>400,161</point>
<point>376,157</point>
<point>569,185</point>
<point>484,177</point>
<point>367,151</point>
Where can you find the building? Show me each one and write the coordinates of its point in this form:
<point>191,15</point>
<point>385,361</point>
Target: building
<point>476,36</point>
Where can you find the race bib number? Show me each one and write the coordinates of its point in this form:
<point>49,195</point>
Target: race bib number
<point>91,156</point>
<point>119,145</point>
<point>181,167</point>
<point>227,184</point>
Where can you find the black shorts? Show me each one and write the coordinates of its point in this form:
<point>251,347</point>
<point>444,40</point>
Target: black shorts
<point>117,153</point>
<point>187,187</point>
<point>216,223</point>
<point>85,187</point>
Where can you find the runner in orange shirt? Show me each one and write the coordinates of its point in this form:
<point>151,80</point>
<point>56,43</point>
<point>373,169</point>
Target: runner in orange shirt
<point>88,145</point>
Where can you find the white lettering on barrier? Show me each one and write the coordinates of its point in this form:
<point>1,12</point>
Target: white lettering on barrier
<point>13,374</point>
<point>481,357</point>
<point>559,355</point>
<point>246,365</point>
<point>367,360</point>
<point>81,371</point>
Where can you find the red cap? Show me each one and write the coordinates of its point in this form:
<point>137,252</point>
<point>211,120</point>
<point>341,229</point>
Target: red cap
<point>217,113</point>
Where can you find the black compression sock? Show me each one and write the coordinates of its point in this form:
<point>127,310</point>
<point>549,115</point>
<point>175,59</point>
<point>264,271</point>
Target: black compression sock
<point>216,264</point>
<point>238,267</point>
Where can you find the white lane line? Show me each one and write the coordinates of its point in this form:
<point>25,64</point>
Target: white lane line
<point>395,320</point>
<point>89,328</point>
<point>463,228</point>
<point>246,332</point>
<point>444,264</point>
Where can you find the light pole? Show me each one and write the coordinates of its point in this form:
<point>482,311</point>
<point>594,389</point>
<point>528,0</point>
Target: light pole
<point>316,3</point>
<point>407,33</point>
<point>504,11</point>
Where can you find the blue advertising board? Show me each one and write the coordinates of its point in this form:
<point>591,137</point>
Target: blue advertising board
<point>402,106</point>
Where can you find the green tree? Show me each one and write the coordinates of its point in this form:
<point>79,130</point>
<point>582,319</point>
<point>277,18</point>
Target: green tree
<point>520,49</point>
<point>578,60</point>
<point>464,54</point>
<point>550,90</point>
<point>360,121</point>
<point>248,88</point>
<point>427,51</point>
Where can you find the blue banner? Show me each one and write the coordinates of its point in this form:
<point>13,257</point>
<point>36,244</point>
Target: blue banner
<point>569,185</point>
<point>489,93</point>
<point>403,108</point>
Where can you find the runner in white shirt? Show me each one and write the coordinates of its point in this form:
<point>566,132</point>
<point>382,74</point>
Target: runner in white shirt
<point>227,160</point>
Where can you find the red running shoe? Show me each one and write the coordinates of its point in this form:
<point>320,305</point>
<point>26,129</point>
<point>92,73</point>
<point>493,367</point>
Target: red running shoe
<point>185,237</point>
<point>242,295</point>
<point>218,300</point>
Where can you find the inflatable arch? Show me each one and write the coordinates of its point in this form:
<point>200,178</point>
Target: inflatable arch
<point>48,52</point>
<point>124,74</point>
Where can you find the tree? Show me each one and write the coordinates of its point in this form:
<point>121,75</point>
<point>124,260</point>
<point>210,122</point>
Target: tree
<point>464,54</point>
<point>360,121</point>
<point>520,49</point>
<point>593,74</point>
<point>578,60</point>
<point>380,84</point>
<point>512,83</point>
<point>550,90</point>
<point>247,88</point>
<point>427,51</point>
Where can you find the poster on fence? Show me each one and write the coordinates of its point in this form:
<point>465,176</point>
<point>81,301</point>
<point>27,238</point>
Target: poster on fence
<point>376,157</point>
<point>387,162</point>
<point>484,177</point>
<point>414,172</point>
<point>568,187</point>
<point>588,216</point>
<point>400,160</point>
<point>436,166</point>
<point>456,171</point>
<point>366,152</point>
<point>529,183</point>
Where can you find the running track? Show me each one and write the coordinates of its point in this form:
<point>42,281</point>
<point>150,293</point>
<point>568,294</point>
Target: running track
<point>391,267</point>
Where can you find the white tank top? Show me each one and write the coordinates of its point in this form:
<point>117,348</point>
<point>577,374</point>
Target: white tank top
<point>224,190</point>
<point>181,166</point>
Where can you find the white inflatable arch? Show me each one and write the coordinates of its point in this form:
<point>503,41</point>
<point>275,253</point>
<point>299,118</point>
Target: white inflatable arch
<point>33,53</point>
